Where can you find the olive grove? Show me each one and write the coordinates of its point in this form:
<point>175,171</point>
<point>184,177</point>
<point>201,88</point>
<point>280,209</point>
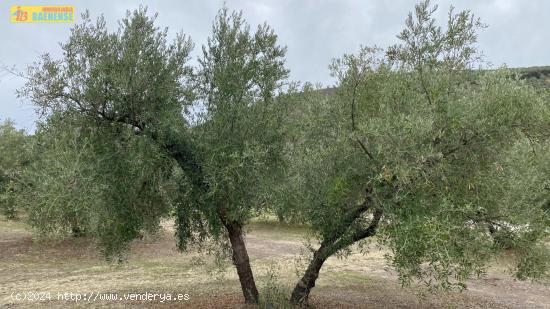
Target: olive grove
<point>422,148</point>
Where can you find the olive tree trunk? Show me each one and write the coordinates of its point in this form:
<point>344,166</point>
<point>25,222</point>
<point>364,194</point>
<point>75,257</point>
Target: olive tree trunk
<point>338,241</point>
<point>240,256</point>
<point>300,294</point>
<point>180,151</point>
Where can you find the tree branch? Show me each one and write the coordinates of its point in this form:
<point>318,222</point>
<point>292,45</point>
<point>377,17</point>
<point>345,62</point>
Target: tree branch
<point>356,236</point>
<point>365,149</point>
<point>350,217</point>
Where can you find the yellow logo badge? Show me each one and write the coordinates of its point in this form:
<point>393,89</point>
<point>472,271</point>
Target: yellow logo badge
<point>42,14</point>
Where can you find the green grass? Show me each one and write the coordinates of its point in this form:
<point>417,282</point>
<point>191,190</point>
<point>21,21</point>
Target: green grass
<point>268,226</point>
<point>12,225</point>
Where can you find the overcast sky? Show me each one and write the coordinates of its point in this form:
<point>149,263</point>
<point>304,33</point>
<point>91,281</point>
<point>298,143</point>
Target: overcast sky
<point>315,31</point>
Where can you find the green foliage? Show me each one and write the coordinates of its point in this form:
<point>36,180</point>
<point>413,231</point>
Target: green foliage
<point>103,182</point>
<point>15,156</point>
<point>118,102</point>
<point>274,294</point>
<point>237,135</point>
<point>538,76</point>
<point>446,162</point>
<point>113,107</point>
<point>445,152</point>
<point>133,76</point>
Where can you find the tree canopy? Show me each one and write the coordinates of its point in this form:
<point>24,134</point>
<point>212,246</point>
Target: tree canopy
<point>126,97</point>
<point>423,148</point>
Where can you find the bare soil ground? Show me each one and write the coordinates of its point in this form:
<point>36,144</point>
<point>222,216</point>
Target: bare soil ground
<point>28,267</point>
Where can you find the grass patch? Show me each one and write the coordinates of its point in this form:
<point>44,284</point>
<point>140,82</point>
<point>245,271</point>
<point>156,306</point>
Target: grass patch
<point>12,225</point>
<point>273,229</point>
<point>346,277</point>
<point>273,292</point>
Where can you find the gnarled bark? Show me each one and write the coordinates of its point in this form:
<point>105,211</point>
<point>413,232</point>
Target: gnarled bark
<point>300,294</point>
<point>301,291</point>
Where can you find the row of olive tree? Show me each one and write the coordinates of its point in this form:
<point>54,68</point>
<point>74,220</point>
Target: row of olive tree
<point>416,146</point>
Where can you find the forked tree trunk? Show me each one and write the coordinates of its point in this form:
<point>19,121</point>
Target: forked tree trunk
<point>242,262</point>
<point>300,294</point>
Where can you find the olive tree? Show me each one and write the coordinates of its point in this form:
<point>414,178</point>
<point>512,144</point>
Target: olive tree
<point>139,110</point>
<point>238,135</point>
<point>104,182</point>
<point>14,150</point>
<point>429,153</point>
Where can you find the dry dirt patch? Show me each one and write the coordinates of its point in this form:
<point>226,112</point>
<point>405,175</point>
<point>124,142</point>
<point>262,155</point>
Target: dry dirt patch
<point>155,265</point>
